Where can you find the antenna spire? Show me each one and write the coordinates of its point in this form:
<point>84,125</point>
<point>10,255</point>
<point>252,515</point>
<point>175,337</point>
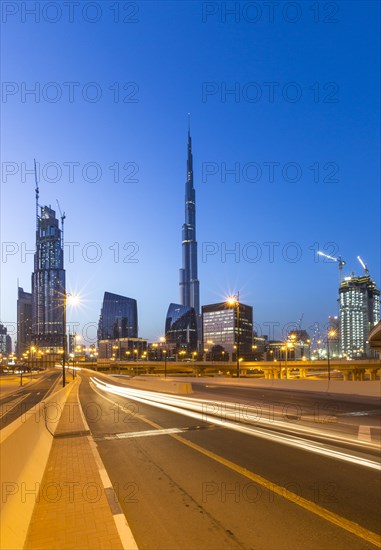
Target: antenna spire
<point>63,217</point>
<point>37,192</point>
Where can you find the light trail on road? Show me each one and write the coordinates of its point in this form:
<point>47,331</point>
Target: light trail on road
<point>194,408</point>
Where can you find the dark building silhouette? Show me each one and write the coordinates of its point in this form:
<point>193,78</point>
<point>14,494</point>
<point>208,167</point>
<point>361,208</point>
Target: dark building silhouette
<point>3,339</point>
<point>119,317</point>
<point>8,344</point>
<point>24,321</point>
<point>181,327</point>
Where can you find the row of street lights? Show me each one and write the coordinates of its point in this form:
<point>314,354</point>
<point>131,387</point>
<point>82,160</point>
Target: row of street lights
<point>232,301</point>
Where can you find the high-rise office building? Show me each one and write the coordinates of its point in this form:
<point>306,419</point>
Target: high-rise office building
<point>48,282</point>
<point>227,326</point>
<point>181,328</point>
<point>119,317</point>
<point>3,339</point>
<point>359,313</point>
<point>24,321</point>
<point>189,283</point>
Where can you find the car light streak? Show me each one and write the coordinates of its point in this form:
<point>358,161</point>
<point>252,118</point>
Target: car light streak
<point>187,407</point>
<point>244,412</point>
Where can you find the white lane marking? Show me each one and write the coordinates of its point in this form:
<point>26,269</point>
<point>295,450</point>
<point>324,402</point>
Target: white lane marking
<point>300,443</point>
<point>5,409</point>
<point>146,433</point>
<point>364,433</point>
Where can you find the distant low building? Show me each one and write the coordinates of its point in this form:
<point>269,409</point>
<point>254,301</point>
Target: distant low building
<point>122,349</point>
<point>301,345</point>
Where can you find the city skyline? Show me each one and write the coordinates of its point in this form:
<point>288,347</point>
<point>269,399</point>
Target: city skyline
<point>273,220</point>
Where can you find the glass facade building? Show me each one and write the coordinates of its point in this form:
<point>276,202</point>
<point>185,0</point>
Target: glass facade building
<point>119,317</point>
<point>24,321</point>
<point>48,283</point>
<point>181,327</point>
<point>189,283</point>
<point>3,339</point>
<point>359,313</point>
<point>221,325</point>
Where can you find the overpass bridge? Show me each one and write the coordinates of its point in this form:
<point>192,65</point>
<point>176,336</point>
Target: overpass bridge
<point>336,368</point>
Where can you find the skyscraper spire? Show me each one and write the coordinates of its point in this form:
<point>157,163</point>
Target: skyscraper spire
<point>189,283</point>
<point>37,193</point>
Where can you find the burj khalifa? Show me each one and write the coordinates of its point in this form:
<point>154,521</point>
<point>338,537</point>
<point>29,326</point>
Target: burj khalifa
<point>182,325</point>
<point>189,283</point>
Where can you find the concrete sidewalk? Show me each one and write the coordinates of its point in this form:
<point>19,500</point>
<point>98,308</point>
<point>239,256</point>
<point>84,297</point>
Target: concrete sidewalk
<point>76,506</point>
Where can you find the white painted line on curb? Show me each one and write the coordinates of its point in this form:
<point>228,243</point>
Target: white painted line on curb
<point>124,531</point>
<point>364,433</point>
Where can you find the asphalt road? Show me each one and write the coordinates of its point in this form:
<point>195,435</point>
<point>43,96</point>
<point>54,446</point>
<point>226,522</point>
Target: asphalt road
<point>339,414</point>
<point>188,482</point>
<point>23,398</point>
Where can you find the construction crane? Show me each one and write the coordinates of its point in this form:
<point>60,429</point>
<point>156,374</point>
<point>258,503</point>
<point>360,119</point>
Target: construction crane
<point>300,321</point>
<point>340,261</point>
<point>364,266</point>
<point>63,216</point>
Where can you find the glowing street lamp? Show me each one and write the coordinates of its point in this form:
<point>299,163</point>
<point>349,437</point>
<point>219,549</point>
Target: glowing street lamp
<point>71,299</point>
<point>330,333</point>
<point>233,301</point>
<point>165,362</point>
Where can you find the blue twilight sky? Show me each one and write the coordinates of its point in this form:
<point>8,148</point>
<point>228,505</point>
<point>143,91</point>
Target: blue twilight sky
<point>107,124</point>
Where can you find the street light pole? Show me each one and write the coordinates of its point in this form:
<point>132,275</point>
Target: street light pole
<point>329,362</point>
<point>63,336</point>
<point>234,301</point>
<point>238,342</point>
